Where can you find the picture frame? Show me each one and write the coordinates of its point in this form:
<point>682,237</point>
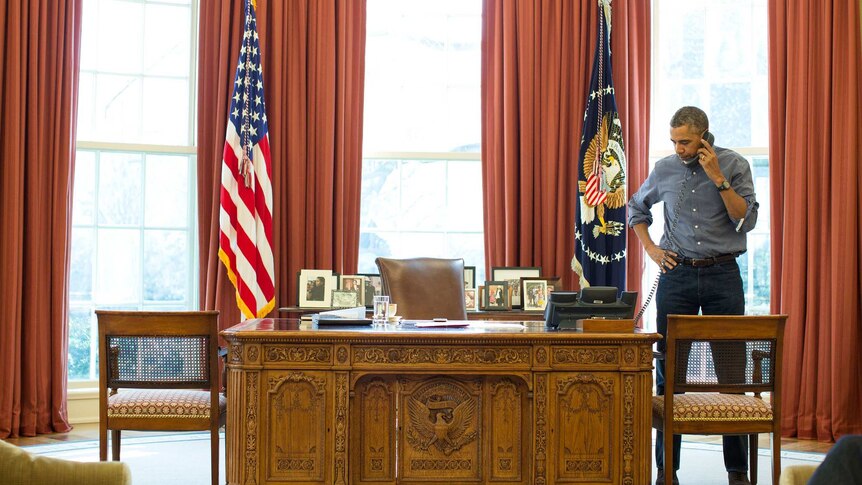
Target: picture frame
<point>345,299</point>
<point>535,292</point>
<point>315,287</point>
<point>554,283</point>
<point>471,299</point>
<point>497,295</point>
<point>513,275</point>
<point>373,285</point>
<point>481,294</point>
<point>355,283</point>
<point>469,277</point>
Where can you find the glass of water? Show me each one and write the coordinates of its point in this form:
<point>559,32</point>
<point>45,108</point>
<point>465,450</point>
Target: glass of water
<point>380,310</point>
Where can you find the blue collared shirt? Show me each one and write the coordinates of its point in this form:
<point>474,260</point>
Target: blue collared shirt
<point>704,228</point>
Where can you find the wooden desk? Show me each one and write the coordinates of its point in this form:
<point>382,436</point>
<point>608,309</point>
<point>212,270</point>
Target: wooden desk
<point>513,315</point>
<point>363,405</point>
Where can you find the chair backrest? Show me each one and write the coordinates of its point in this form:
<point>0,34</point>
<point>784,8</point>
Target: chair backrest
<point>425,288</point>
<point>724,353</point>
<point>164,350</point>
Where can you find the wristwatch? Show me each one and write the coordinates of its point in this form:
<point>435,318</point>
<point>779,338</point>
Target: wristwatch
<point>723,186</point>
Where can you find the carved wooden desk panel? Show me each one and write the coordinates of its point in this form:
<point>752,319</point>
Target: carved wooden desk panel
<point>444,406</point>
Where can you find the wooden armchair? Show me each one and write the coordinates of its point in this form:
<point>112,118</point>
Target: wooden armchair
<point>158,371</point>
<point>717,360</point>
<point>425,288</point>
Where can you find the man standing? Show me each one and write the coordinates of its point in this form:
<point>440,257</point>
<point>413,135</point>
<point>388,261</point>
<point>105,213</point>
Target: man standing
<point>709,206</point>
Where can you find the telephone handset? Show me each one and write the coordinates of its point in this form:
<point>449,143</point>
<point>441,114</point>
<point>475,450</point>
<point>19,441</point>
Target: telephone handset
<point>710,138</point>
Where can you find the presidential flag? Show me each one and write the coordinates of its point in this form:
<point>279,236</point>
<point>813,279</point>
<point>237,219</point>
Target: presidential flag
<point>600,231</point>
<point>245,219</point>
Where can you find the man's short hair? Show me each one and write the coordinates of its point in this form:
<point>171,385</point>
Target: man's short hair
<point>692,116</point>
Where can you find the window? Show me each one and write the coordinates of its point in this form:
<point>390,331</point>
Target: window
<point>421,173</point>
<point>719,65</point>
<point>133,223</point>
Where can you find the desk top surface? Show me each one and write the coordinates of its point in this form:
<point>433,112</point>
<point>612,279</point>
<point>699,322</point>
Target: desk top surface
<point>485,329</point>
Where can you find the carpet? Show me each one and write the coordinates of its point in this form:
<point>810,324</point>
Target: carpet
<point>184,459</point>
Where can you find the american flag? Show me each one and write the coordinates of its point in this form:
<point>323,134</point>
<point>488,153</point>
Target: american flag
<point>245,219</point>
<point>600,236</point>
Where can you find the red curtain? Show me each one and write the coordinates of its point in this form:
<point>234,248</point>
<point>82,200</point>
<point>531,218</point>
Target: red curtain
<point>313,69</point>
<point>536,63</point>
<point>815,68</point>
<point>39,59</point>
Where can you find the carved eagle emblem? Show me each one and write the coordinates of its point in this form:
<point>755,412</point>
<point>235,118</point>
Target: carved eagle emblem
<point>443,423</point>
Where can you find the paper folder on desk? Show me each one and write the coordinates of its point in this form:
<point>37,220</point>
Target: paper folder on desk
<point>354,315</point>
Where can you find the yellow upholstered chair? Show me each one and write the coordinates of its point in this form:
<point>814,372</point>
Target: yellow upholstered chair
<point>158,371</point>
<point>724,364</point>
<point>18,467</point>
<point>797,474</point>
<point>425,288</point>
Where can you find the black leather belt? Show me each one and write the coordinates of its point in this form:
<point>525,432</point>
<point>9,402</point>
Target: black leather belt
<point>702,263</point>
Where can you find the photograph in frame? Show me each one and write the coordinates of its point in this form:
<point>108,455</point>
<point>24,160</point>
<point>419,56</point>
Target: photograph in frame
<point>469,277</point>
<point>535,293</point>
<point>355,283</point>
<point>471,299</point>
<point>372,286</point>
<point>344,299</point>
<point>497,295</point>
<point>513,275</point>
<point>315,288</point>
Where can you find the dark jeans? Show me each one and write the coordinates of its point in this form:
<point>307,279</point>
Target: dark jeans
<point>714,290</point>
<point>843,463</point>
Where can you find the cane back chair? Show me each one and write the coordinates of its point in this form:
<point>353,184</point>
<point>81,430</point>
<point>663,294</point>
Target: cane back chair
<point>725,364</point>
<point>158,371</point>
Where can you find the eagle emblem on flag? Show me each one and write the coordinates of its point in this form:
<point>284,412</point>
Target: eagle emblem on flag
<point>604,170</point>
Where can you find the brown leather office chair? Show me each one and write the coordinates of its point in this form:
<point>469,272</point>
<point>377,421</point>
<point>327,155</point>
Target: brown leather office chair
<point>425,288</point>
<point>716,359</point>
<point>158,371</point>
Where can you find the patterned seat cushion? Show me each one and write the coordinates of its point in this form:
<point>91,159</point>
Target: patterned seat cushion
<point>715,407</point>
<point>162,403</point>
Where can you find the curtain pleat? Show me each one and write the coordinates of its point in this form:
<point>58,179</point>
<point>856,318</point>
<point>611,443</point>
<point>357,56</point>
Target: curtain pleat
<point>815,68</point>
<point>536,64</point>
<point>313,68</point>
<point>39,60</point>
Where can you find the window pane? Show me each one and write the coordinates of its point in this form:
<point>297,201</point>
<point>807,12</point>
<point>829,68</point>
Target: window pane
<point>84,203</point>
<point>118,108</point>
<point>464,196</point>
<point>81,265</point>
<point>120,188</point>
<point>166,41</point>
<point>120,30</point>
<point>381,193</point>
<point>166,263</point>
<point>166,111</point>
<point>119,266</point>
<point>80,343</point>
<point>423,195</point>
<point>420,244</point>
<point>86,106</point>
<point>167,184</point>
<point>373,244</point>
